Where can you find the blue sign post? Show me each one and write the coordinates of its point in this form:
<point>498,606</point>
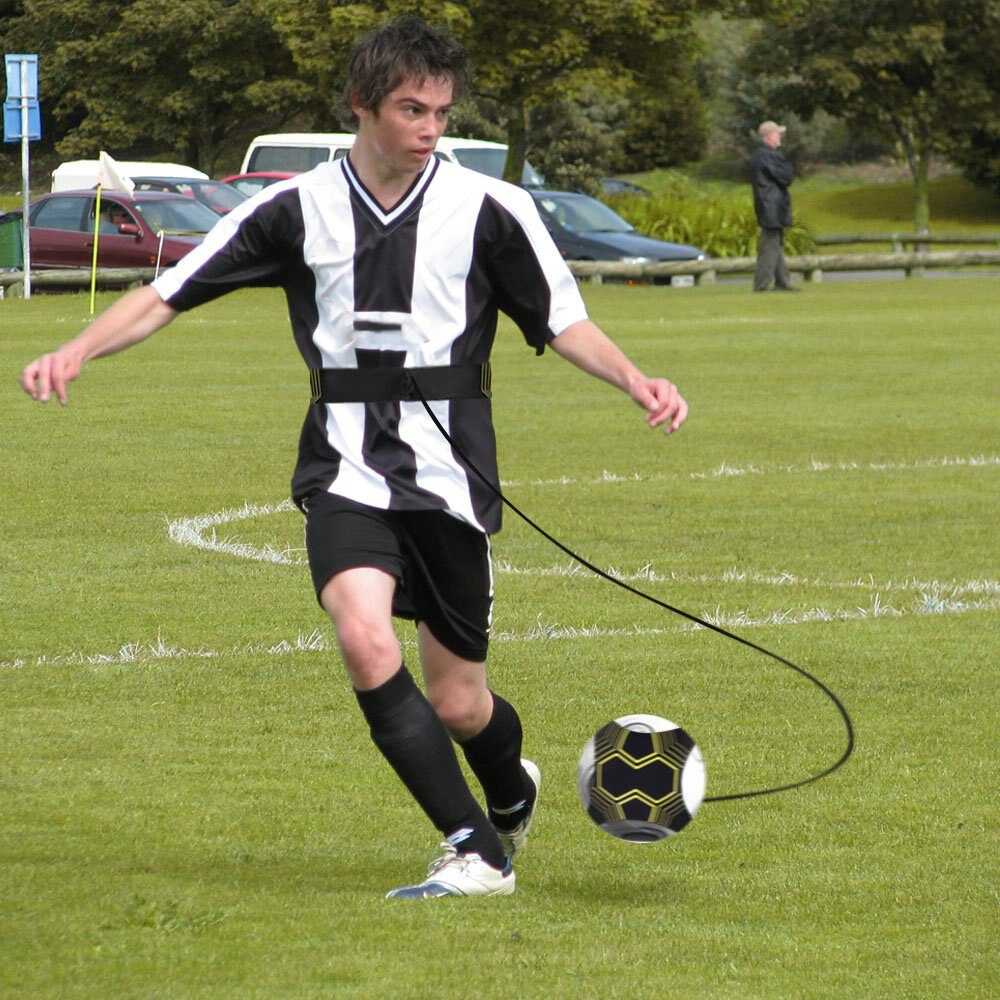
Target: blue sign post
<point>22,121</point>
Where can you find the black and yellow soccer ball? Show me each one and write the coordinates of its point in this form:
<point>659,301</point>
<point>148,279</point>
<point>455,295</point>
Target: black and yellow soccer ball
<point>641,778</point>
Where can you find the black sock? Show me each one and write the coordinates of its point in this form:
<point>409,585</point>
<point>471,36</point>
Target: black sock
<point>411,737</point>
<point>495,758</point>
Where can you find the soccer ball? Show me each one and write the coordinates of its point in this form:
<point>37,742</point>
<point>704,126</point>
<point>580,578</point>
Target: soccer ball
<point>641,778</point>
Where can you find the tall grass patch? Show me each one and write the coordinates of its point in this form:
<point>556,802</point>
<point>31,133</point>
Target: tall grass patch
<point>720,222</point>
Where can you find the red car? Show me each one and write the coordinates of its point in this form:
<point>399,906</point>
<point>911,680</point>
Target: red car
<point>220,198</point>
<point>146,229</point>
<point>250,184</point>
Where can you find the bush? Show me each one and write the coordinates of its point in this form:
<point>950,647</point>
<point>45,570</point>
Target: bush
<point>723,225</point>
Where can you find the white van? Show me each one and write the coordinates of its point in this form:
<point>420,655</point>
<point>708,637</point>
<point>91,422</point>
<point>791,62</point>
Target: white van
<point>76,175</point>
<point>300,151</point>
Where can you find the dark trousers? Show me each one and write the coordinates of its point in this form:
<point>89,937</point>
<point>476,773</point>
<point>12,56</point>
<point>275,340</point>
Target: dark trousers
<point>771,261</point>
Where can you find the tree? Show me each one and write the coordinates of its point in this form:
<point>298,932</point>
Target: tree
<point>149,77</point>
<point>577,140</point>
<point>664,129</point>
<point>526,53</point>
<point>531,52</point>
<point>740,98</point>
<point>197,77</point>
<point>973,126</point>
<point>889,64</point>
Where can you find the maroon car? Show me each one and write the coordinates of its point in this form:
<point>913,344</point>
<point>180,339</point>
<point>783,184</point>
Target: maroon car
<point>250,184</point>
<point>145,229</point>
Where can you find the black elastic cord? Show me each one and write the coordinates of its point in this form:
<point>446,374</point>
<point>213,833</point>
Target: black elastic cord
<point>848,725</point>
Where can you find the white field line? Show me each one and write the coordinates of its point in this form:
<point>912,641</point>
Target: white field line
<point>956,602</point>
<point>192,531</point>
<point>200,531</point>
<point>928,596</point>
<point>724,470</point>
<point>646,574</point>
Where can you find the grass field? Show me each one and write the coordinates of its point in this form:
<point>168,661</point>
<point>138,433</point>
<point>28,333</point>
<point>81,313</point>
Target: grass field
<point>189,804</point>
<point>956,206</point>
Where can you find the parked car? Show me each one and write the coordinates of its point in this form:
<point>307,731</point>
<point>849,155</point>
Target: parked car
<point>485,158</point>
<point>586,229</point>
<point>294,151</point>
<point>615,185</point>
<point>220,198</point>
<point>299,151</point>
<point>74,175</point>
<point>250,184</point>
<point>140,230</point>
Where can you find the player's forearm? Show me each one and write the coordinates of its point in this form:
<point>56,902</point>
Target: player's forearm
<point>590,349</point>
<point>131,319</point>
<point>128,321</point>
<point>585,345</point>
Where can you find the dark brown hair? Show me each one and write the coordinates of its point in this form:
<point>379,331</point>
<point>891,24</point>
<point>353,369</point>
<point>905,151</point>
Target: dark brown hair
<point>406,48</point>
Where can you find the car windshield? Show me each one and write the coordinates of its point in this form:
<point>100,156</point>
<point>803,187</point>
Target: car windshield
<point>491,161</point>
<point>582,214</point>
<point>215,194</point>
<point>297,159</point>
<point>221,197</point>
<point>177,215</point>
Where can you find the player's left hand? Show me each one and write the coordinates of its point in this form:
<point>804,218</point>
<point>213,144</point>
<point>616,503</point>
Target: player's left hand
<point>664,405</point>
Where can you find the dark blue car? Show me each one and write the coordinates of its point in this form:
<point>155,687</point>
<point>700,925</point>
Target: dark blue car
<point>586,229</point>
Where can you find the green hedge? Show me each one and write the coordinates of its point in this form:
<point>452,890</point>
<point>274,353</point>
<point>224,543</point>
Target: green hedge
<point>721,224</point>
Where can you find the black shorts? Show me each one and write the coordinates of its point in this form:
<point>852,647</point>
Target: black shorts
<point>442,566</point>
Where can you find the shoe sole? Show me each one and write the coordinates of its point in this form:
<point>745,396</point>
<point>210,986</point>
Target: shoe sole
<point>428,890</point>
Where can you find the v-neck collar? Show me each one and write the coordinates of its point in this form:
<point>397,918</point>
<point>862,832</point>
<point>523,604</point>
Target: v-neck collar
<point>403,206</point>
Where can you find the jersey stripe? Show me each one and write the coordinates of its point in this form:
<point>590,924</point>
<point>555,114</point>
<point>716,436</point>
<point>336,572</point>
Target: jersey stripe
<point>418,284</point>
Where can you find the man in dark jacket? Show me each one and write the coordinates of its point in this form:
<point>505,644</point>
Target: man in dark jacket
<point>771,174</point>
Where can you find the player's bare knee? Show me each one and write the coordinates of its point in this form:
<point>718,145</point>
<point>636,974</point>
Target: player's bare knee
<point>461,713</point>
<point>453,715</point>
<point>371,652</point>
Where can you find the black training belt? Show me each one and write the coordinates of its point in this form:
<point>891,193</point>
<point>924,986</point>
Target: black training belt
<point>375,385</point>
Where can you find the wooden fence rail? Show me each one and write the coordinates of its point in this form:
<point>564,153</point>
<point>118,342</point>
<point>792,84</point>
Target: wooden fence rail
<point>703,272</point>
<point>12,282</point>
<point>899,240</point>
<point>812,266</point>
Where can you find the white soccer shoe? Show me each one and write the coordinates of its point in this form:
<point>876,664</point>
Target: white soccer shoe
<point>513,841</point>
<point>455,874</point>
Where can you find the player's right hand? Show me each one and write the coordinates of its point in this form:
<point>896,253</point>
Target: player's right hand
<point>49,374</point>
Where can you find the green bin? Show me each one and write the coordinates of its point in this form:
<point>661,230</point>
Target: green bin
<point>11,248</point>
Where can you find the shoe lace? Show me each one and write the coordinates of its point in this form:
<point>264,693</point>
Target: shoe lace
<point>450,857</point>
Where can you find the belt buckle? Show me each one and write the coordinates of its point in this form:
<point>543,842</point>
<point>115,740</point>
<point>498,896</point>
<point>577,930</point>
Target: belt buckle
<point>315,385</point>
<point>486,379</point>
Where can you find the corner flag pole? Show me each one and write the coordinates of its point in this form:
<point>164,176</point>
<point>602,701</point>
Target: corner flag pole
<point>110,177</point>
<point>93,266</point>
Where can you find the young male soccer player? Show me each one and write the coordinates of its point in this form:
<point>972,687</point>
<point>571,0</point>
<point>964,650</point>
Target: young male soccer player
<point>394,265</point>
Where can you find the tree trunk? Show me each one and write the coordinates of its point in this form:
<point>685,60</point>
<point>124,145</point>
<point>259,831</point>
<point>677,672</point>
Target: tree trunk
<point>921,196</point>
<point>918,158</point>
<point>517,142</point>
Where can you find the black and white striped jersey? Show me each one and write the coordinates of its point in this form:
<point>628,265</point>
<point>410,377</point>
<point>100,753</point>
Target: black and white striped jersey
<point>418,285</point>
